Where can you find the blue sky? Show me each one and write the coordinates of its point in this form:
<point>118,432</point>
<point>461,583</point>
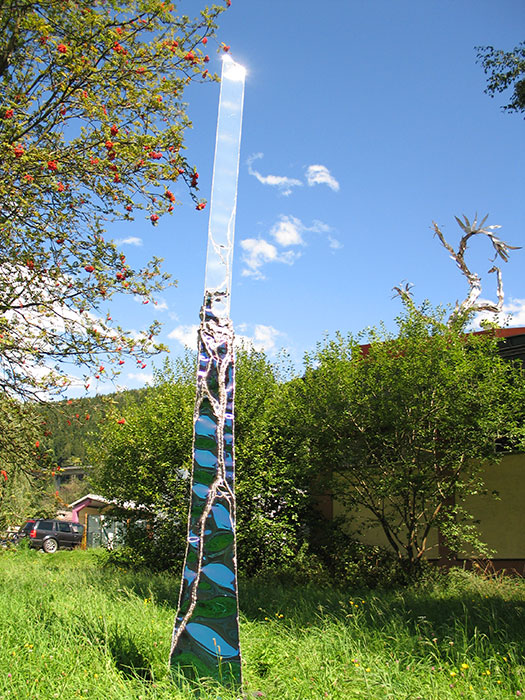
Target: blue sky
<point>363,123</point>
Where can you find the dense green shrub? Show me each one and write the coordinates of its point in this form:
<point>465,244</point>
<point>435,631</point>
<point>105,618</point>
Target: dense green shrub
<point>351,563</point>
<point>142,463</point>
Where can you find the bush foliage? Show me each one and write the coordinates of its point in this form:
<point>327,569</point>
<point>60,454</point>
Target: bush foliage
<point>393,428</point>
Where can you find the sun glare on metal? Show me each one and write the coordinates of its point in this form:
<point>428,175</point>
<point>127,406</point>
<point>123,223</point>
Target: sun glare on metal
<point>233,70</point>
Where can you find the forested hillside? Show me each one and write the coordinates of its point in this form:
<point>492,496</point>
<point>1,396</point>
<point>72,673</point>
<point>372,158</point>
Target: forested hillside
<point>71,426</point>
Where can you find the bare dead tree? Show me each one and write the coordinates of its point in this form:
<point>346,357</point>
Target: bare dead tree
<point>501,250</point>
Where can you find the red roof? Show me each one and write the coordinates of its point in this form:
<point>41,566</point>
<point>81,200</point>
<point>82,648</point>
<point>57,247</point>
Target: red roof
<point>500,333</point>
<point>504,332</point>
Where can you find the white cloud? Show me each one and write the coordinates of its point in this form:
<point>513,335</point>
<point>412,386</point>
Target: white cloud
<point>142,377</point>
<point>262,338</point>
<point>513,314</point>
<point>516,307</point>
<point>283,183</point>
<point>257,336</point>
<point>42,322</point>
<point>131,240</point>
<point>334,243</point>
<point>320,175</point>
<point>287,231</point>
<point>320,227</point>
<point>258,252</point>
<point>186,335</point>
<point>315,175</point>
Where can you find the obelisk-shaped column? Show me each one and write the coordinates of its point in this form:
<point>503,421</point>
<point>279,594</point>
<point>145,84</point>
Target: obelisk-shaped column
<point>206,634</point>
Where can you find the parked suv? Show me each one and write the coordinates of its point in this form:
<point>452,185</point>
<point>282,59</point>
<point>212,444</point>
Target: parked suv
<point>54,534</point>
<point>24,530</point>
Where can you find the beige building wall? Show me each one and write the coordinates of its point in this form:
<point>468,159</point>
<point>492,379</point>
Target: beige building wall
<point>502,521</point>
<point>89,510</point>
<point>375,535</point>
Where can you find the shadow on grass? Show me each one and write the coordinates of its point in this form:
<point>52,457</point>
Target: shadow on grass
<point>119,643</point>
<point>129,660</point>
<point>459,605</point>
<point>474,608</point>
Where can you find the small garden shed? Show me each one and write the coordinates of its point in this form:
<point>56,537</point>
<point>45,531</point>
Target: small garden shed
<point>101,529</point>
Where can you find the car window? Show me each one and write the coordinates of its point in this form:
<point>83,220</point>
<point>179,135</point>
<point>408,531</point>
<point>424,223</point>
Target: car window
<point>77,527</point>
<point>28,526</point>
<point>64,527</point>
<point>45,525</point>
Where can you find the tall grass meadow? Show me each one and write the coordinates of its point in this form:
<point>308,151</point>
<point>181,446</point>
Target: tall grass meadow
<point>71,627</point>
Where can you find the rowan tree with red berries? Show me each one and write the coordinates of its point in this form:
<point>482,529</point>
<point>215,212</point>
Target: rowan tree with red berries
<point>92,128</point>
<point>91,131</point>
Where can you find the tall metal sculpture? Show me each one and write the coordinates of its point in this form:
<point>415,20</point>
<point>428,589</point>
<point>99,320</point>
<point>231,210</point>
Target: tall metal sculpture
<point>206,634</point>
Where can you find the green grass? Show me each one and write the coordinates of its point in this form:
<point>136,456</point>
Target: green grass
<point>70,628</point>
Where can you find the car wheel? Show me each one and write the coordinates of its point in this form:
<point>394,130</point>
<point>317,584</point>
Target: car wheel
<point>50,546</point>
